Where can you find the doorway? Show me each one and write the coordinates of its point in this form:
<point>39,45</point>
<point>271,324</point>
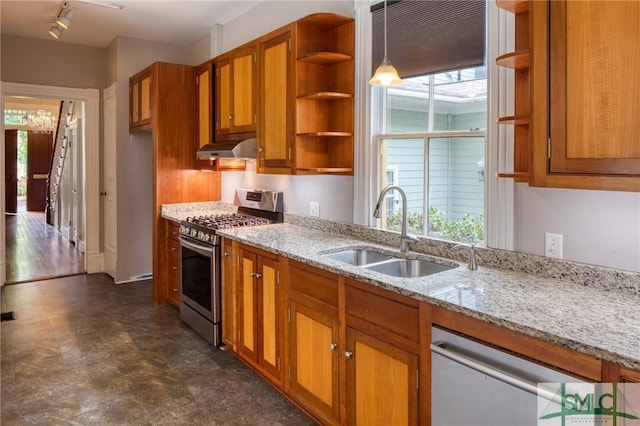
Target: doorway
<point>41,193</point>
<point>94,261</point>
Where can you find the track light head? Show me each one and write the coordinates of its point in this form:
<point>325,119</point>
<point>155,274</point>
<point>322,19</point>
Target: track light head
<point>64,18</point>
<point>55,31</point>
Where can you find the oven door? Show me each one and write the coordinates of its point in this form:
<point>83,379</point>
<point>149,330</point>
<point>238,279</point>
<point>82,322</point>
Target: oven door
<point>200,280</point>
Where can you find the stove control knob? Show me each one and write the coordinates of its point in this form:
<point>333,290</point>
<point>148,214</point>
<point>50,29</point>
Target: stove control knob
<point>194,232</point>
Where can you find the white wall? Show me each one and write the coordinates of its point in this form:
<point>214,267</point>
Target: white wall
<point>134,155</point>
<point>598,227</point>
<point>334,193</point>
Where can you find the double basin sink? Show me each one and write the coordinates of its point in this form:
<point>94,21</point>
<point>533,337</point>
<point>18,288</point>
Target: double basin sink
<point>375,260</point>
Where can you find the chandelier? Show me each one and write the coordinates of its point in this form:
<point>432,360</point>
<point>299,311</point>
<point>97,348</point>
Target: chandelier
<point>40,121</point>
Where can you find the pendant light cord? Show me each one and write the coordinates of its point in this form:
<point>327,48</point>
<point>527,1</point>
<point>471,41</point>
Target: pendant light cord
<point>385,29</point>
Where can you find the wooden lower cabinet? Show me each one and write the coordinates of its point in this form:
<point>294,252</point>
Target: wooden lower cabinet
<point>382,356</point>
<point>382,382</point>
<point>259,312</point>
<point>173,265</point>
<point>313,333</point>
<point>313,361</point>
<point>356,354</point>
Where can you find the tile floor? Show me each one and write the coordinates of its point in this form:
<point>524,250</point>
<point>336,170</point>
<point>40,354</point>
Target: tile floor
<point>83,351</point>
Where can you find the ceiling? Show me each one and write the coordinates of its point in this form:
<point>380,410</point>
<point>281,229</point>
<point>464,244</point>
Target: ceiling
<point>173,22</point>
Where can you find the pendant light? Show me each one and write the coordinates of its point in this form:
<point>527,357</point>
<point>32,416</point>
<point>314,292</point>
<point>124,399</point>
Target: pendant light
<point>386,74</point>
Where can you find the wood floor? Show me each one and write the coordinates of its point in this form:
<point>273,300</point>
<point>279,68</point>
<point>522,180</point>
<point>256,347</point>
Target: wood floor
<point>37,251</point>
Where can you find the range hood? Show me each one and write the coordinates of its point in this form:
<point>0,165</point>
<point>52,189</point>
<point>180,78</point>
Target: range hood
<point>243,150</point>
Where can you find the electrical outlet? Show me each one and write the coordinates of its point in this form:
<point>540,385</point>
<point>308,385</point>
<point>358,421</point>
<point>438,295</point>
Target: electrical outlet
<point>553,245</point>
<point>314,209</point>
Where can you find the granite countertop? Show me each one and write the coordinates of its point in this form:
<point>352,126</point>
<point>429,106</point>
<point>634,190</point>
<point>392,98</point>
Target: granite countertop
<point>589,319</point>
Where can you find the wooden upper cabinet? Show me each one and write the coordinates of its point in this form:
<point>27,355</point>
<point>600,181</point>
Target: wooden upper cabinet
<point>140,101</point>
<point>306,109</point>
<point>235,92</point>
<point>274,131</point>
<point>259,318</point>
<point>205,135</point>
<point>595,83</point>
<point>585,78</point>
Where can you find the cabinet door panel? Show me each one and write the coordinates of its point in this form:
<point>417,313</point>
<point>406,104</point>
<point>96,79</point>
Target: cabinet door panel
<point>381,382</point>
<point>274,106</point>
<point>134,108</point>
<point>314,377</point>
<point>204,107</point>
<point>145,99</point>
<point>247,344</point>
<point>224,97</point>
<point>595,79</point>
<point>243,104</point>
<point>269,309</point>
<point>228,295</point>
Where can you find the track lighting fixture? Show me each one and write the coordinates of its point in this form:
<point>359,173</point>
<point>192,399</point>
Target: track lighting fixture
<point>65,16</point>
<point>55,31</point>
<point>62,22</point>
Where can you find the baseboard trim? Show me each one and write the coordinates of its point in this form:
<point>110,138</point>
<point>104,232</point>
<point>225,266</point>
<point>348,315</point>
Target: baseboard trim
<point>94,263</point>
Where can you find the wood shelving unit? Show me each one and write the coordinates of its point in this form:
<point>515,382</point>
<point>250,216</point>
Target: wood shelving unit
<point>325,48</point>
<point>520,61</point>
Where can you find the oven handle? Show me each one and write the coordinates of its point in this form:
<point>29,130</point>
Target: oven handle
<point>200,249</point>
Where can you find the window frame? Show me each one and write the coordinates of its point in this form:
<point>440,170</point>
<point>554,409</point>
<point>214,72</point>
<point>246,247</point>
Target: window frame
<point>426,137</point>
<point>499,193</point>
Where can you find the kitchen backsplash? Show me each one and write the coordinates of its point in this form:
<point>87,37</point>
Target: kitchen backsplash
<point>588,275</point>
<point>583,274</point>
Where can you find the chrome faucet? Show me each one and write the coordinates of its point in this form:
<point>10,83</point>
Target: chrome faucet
<point>473,264</point>
<point>405,238</point>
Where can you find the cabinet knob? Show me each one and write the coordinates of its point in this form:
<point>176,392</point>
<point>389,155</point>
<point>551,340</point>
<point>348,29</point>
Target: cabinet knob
<point>333,346</point>
<point>348,354</point>
<point>258,275</point>
<point>173,249</point>
<point>230,117</point>
<point>175,290</point>
<point>252,274</point>
<point>226,254</point>
<point>174,268</point>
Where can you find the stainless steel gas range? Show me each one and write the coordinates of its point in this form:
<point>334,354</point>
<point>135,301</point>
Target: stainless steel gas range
<point>201,261</point>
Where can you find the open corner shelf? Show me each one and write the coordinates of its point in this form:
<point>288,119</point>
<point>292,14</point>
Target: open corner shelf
<point>325,170</point>
<point>515,60</point>
<point>515,120</point>
<point>513,6</point>
<point>324,58</point>
<point>333,134</point>
<point>326,96</point>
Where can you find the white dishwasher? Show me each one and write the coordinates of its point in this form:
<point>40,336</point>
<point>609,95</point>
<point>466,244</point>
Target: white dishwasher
<point>476,385</point>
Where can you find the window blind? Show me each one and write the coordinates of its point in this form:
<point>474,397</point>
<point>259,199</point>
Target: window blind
<point>429,36</point>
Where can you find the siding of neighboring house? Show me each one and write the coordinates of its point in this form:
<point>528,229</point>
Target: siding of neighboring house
<point>455,186</point>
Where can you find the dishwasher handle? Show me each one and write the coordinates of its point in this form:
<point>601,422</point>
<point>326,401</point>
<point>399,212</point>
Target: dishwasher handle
<point>520,383</point>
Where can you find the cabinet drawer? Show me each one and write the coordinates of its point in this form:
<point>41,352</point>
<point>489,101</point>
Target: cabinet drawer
<point>173,249</point>
<point>172,231</point>
<point>385,309</point>
<point>315,283</point>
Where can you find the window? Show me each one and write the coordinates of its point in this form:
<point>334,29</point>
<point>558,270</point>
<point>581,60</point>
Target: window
<point>392,198</point>
<point>433,137</point>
